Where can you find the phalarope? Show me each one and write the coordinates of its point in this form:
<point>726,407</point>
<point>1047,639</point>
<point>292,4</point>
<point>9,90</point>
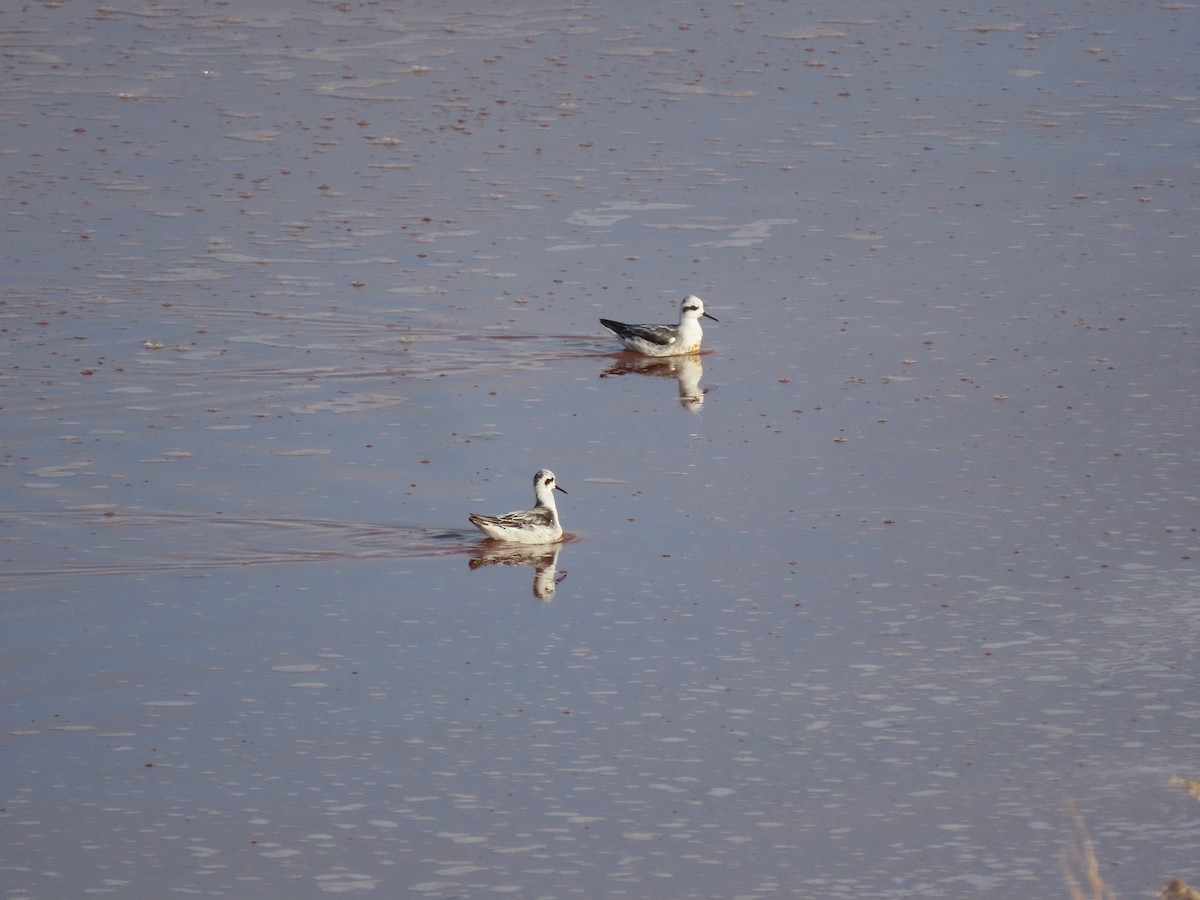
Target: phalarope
<point>539,525</point>
<point>665,340</point>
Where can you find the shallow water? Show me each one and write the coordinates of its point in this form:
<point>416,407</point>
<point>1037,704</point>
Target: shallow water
<point>863,600</point>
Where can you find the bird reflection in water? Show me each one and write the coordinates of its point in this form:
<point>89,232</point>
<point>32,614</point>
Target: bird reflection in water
<point>684,369</point>
<point>543,558</point>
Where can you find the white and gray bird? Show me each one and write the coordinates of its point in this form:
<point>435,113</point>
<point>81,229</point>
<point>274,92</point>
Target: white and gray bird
<point>665,340</point>
<point>539,525</point>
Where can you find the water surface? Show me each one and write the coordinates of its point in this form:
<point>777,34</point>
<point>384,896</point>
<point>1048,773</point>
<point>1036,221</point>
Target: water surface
<point>864,600</point>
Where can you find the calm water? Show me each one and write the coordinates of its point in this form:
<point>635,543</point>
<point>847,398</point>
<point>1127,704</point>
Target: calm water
<point>863,601</point>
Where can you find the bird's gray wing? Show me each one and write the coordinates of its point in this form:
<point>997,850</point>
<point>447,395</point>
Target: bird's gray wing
<point>663,335</point>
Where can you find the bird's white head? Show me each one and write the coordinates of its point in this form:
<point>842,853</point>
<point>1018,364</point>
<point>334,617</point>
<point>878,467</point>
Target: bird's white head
<point>544,486</point>
<point>692,307</point>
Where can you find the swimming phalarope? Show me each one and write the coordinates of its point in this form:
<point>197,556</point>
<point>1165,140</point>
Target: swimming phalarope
<point>539,525</point>
<point>665,340</point>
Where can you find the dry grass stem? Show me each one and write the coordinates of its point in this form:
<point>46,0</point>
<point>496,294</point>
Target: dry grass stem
<point>1079,866</point>
<point>1178,889</point>
<point>1193,787</point>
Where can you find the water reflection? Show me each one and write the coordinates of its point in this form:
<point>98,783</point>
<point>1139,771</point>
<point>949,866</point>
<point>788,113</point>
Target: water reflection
<point>543,557</point>
<point>686,370</point>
